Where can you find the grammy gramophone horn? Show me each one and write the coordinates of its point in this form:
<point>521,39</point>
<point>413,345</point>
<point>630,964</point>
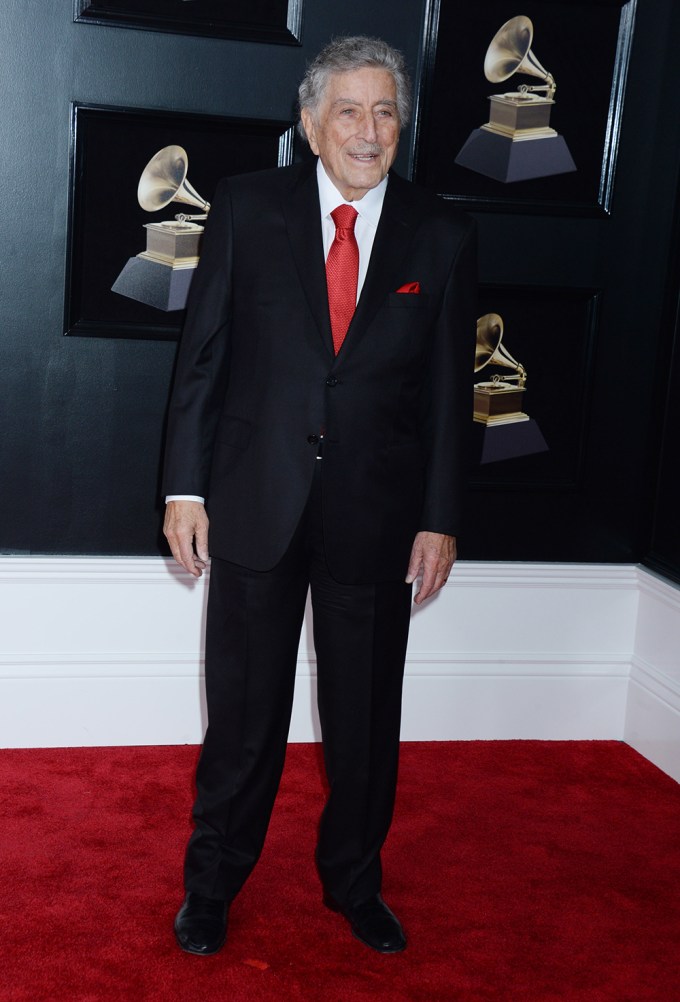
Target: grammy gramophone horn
<point>164,180</point>
<point>510,53</point>
<point>489,350</point>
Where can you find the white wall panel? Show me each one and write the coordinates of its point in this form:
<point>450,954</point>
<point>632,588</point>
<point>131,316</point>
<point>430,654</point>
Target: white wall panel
<point>653,707</point>
<point>108,651</point>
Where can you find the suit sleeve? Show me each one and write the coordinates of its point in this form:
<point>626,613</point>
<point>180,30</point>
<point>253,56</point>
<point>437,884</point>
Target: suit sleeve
<point>448,398</point>
<point>201,373</point>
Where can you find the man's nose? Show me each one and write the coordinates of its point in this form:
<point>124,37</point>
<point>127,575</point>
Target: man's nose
<point>368,130</point>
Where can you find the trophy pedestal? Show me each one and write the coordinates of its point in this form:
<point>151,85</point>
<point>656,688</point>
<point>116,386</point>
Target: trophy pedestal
<point>154,283</point>
<point>517,143</point>
<point>504,159</point>
<point>161,275</point>
<point>508,441</point>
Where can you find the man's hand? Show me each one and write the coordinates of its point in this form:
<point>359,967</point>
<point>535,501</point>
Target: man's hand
<point>186,526</point>
<point>432,557</point>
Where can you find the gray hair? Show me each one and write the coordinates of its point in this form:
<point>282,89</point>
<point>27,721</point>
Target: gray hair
<point>342,55</point>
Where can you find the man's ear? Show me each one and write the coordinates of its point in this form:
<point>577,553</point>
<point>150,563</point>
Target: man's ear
<point>308,123</point>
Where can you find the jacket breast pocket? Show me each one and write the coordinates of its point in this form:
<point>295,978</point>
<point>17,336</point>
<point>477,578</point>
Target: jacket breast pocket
<point>407,300</point>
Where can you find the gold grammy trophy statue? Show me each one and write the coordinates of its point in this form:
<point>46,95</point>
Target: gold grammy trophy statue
<point>498,400</point>
<point>161,275</point>
<point>517,143</point>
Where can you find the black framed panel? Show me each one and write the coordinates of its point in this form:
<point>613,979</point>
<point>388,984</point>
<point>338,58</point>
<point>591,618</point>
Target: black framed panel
<point>551,332</point>
<point>110,148</point>
<point>252,20</point>
<point>583,44</point>
<point>663,551</point>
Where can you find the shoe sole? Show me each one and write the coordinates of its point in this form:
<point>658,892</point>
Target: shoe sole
<point>198,953</point>
<point>333,906</point>
<point>377,949</point>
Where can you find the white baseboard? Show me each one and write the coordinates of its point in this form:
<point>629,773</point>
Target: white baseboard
<point>108,651</point>
<point>102,651</point>
<point>653,705</point>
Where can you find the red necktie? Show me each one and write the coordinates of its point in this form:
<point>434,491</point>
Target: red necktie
<point>342,273</point>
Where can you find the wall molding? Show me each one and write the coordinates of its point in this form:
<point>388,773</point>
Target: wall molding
<point>659,588</point>
<point>18,569</point>
<point>417,663</point>
<point>652,724</point>
<point>100,650</point>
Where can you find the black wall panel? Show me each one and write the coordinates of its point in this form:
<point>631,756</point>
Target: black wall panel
<point>81,419</point>
<point>664,494</point>
<point>604,515</point>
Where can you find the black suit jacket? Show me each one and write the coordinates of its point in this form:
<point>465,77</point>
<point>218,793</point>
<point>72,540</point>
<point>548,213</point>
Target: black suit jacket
<point>257,380</point>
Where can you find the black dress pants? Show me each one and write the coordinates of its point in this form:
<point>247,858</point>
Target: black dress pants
<point>253,630</point>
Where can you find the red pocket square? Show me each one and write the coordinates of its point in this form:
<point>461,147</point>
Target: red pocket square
<point>409,287</point>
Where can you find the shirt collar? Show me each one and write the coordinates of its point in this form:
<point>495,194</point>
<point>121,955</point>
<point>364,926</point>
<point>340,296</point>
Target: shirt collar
<point>369,207</point>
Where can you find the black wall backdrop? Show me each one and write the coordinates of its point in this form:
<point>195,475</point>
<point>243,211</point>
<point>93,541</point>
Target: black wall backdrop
<point>664,552</point>
<point>81,418</point>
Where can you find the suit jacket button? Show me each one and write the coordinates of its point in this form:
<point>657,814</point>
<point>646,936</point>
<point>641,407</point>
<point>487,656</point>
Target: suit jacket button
<point>332,381</point>
<point>313,439</point>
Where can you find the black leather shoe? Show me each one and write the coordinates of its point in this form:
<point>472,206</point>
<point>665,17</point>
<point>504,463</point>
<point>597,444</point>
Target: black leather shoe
<point>373,923</point>
<point>201,924</point>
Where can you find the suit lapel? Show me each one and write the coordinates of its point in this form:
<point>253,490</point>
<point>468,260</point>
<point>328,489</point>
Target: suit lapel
<point>303,220</point>
<point>398,221</point>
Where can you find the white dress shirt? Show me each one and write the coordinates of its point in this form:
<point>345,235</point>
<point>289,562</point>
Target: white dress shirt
<point>368,208</point>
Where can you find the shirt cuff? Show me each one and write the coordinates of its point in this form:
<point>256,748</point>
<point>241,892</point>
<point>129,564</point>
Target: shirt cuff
<point>184,497</point>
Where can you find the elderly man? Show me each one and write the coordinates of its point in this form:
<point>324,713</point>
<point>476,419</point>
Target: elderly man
<point>320,402</point>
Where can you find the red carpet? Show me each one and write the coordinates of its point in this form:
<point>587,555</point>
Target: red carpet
<point>523,872</point>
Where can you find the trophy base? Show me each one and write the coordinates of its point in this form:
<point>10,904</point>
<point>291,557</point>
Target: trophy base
<point>172,241</point>
<point>521,116</point>
<point>508,441</point>
<point>155,283</point>
<point>506,159</point>
<point>498,402</point>
<point>515,418</point>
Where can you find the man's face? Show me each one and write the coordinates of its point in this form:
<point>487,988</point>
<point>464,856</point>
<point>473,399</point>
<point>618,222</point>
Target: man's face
<point>356,129</point>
